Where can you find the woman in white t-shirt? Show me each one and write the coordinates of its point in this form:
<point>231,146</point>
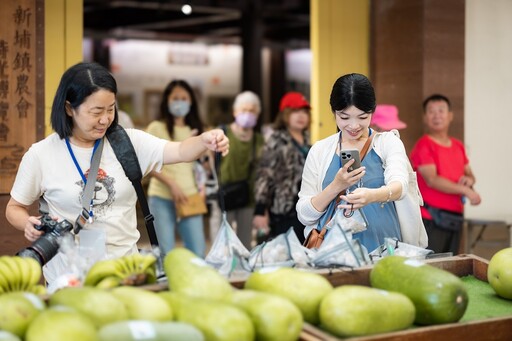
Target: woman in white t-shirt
<point>56,168</point>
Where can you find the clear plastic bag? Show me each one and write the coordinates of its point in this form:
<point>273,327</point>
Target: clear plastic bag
<point>339,248</point>
<point>393,246</point>
<point>354,222</point>
<point>284,250</point>
<point>227,254</point>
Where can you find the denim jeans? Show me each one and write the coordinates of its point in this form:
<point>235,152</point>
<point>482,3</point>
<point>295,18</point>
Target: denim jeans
<point>190,228</point>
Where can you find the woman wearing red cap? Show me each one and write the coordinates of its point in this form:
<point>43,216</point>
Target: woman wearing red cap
<point>279,173</point>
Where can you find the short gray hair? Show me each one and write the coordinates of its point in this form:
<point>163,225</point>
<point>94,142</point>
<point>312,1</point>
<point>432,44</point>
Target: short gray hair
<point>247,97</point>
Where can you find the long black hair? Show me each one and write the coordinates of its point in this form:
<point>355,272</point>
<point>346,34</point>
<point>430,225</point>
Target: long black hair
<point>77,83</point>
<point>192,119</point>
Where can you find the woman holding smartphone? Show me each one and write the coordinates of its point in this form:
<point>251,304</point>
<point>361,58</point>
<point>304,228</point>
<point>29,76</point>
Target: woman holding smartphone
<point>382,178</point>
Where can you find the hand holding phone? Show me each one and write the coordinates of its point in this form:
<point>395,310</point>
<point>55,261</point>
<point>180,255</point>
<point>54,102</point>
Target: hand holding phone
<point>350,154</point>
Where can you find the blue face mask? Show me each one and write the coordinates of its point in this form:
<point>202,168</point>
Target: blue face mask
<point>179,108</point>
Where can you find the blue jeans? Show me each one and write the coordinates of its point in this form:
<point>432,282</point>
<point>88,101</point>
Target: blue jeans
<point>191,229</point>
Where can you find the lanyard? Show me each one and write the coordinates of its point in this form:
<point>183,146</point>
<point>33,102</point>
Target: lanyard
<point>96,144</point>
<point>75,160</point>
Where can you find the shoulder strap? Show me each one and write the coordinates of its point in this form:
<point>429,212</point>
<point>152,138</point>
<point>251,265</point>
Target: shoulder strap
<point>85,213</point>
<point>366,146</point>
<point>125,153</point>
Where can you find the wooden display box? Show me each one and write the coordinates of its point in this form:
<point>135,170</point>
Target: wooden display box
<point>462,265</point>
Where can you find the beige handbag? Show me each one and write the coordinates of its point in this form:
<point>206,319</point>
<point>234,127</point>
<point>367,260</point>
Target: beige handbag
<point>195,205</point>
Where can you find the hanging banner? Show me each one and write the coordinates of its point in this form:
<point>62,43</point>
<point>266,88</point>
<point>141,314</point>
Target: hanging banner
<point>21,83</point>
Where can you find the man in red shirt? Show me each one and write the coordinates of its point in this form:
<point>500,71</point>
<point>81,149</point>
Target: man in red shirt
<point>445,178</point>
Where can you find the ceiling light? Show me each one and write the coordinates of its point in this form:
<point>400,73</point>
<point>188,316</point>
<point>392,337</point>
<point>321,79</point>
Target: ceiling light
<point>186,9</point>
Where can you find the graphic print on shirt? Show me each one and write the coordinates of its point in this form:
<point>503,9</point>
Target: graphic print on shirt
<point>103,194</point>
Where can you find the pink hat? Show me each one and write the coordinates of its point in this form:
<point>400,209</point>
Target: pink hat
<point>386,117</point>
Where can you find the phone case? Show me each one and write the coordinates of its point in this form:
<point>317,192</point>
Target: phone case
<point>349,154</point>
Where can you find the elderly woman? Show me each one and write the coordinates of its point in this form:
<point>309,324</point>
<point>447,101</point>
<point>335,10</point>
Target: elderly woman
<point>246,144</point>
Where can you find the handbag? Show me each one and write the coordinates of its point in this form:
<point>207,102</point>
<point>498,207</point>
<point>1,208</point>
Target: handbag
<point>446,220</point>
<point>315,238</point>
<point>235,194</point>
<point>195,205</point>
<point>408,210</point>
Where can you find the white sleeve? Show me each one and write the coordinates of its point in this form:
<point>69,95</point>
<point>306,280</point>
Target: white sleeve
<point>394,160</point>
<point>149,150</point>
<point>306,212</point>
<point>27,185</point>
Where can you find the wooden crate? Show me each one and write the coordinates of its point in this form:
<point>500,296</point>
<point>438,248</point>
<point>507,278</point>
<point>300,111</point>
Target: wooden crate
<point>462,265</point>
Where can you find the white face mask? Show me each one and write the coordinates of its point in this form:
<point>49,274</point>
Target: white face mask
<point>246,119</point>
<point>179,108</point>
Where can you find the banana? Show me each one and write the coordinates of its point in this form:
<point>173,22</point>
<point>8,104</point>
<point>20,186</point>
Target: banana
<point>38,289</point>
<point>30,272</point>
<point>102,269</point>
<point>148,261</point>
<point>150,275</point>
<point>108,282</point>
<point>4,280</point>
<point>35,270</point>
<point>126,264</point>
<point>12,272</point>
<point>131,263</point>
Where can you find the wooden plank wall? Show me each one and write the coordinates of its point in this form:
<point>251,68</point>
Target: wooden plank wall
<point>417,49</point>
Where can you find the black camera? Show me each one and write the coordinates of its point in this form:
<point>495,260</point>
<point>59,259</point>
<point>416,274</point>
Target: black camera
<point>47,246</point>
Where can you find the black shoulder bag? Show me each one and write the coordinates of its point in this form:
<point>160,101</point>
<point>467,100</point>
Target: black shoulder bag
<point>236,194</point>
<point>446,220</point>
<point>125,153</point>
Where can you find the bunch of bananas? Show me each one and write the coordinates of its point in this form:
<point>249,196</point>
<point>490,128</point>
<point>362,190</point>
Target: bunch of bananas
<point>20,274</point>
<point>136,269</point>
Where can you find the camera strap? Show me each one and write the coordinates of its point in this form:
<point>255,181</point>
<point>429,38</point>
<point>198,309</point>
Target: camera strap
<point>84,217</point>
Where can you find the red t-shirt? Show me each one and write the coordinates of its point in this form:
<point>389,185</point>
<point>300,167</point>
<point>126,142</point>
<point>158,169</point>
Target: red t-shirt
<point>450,163</point>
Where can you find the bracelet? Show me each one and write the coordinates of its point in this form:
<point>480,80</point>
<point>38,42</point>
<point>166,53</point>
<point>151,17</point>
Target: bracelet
<point>390,193</point>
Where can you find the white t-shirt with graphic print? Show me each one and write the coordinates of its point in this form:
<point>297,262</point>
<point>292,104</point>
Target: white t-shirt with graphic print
<point>47,168</point>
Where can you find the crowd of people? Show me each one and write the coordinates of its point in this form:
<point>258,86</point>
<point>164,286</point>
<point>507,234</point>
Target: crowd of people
<point>288,182</point>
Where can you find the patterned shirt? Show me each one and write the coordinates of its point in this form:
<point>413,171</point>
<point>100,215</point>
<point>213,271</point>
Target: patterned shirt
<point>279,174</point>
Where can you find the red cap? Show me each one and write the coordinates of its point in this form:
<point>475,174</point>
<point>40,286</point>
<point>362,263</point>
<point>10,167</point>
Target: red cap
<point>293,100</point>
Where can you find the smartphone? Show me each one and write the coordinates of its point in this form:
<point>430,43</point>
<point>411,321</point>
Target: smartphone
<point>349,154</point>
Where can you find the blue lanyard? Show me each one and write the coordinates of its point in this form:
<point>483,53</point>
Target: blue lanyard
<point>96,144</point>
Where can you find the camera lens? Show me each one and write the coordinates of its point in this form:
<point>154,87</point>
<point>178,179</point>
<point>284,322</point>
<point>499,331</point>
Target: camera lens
<point>30,253</point>
<point>43,249</point>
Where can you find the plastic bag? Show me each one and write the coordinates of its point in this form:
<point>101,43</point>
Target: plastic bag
<point>227,254</point>
<point>357,222</point>
<point>393,246</point>
<point>284,250</point>
<point>339,248</point>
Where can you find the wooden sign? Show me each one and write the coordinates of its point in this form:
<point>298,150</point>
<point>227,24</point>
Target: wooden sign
<point>21,83</point>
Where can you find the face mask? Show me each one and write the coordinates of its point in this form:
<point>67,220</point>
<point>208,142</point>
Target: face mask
<point>246,119</point>
<point>179,108</point>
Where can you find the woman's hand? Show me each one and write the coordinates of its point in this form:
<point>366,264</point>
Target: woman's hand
<point>360,197</point>
<point>178,196</point>
<point>260,222</point>
<point>345,179</point>
<point>31,233</point>
<point>215,140</point>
